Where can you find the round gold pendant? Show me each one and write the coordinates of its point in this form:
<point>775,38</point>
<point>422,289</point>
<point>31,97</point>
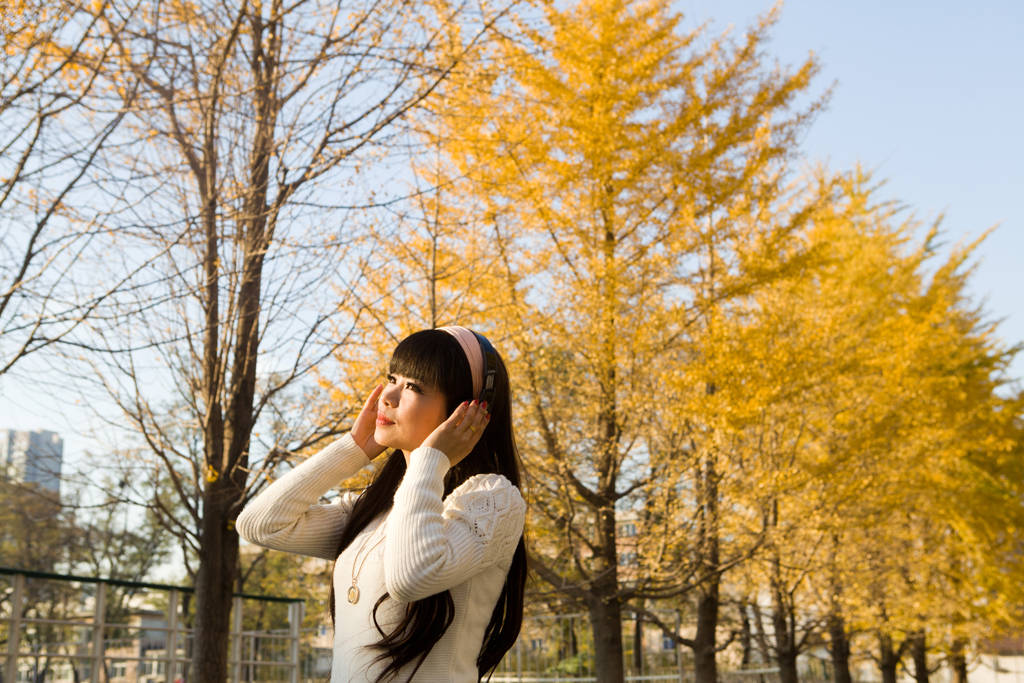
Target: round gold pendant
<point>353,594</point>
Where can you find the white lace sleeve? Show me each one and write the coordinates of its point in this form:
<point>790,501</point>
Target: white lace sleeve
<point>288,515</point>
<point>430,545</point>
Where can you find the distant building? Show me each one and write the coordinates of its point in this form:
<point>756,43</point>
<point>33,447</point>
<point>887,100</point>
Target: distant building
<point>32,458</point>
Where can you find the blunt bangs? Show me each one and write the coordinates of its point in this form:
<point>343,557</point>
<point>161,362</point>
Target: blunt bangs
<point>434,357</point>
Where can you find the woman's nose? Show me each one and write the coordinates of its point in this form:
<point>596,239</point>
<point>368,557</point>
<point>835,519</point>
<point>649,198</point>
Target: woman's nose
<point>389,396</point>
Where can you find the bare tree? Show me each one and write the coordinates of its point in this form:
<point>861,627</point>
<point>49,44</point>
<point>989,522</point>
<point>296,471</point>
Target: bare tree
<point>248,128</point>
<point>51,132</point>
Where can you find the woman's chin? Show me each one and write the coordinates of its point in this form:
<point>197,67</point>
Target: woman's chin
<point>380,435</point>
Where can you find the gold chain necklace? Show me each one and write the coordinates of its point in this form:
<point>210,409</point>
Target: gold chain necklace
<point>357,566</point>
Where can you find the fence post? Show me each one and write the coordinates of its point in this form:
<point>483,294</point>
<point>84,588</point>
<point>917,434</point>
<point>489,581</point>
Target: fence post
<point>519,658</point>
<point>99,625</point>
<point>236,638</point>
<point>679,653</point>
<point>171,656</point>
<point>14,629</point>
<point>295,614</point>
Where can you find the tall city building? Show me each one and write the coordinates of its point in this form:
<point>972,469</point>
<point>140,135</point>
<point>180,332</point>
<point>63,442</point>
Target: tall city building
<point>32,458</point>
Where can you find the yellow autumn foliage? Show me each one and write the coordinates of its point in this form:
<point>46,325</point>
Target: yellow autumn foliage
<point>770,375</point>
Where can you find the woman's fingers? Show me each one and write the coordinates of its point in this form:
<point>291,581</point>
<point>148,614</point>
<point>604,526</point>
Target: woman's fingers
<point>366,423</point>
<point>475,417</point>
<point>470,416</point>
<point>369,411</point>
<point>370,406</point>
<point>457,435</point>
<point>371,400</point>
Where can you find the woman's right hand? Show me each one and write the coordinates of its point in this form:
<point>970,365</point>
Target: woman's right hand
<point>366,424</point>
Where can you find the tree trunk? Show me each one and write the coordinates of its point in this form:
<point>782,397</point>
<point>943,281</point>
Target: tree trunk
<point>227,440</point>
<point>606,621</point>
<point>958,661</point>
<point>888,658</point>
<point>919,652</point>
<point>705,644</point>
<point>785,647</point>
<point>705,666</point>
<point>783,619</point>
<point>787,666</point>
<point>839,647</point>
<point>839,640</point>
<point>218,565</point>
<point>214,576</point>
<point>568,647</point>
<point>760,636</point>
<point>603,601</point>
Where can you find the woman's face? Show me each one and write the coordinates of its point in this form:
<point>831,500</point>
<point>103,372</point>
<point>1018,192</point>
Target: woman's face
<point>407,412</point>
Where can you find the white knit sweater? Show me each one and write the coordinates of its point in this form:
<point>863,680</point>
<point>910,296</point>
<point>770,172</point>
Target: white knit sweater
<point>424,545</point>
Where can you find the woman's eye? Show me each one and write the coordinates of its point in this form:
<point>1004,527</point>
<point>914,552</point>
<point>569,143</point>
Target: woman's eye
<point>413,387</point>
<point>390,379</point>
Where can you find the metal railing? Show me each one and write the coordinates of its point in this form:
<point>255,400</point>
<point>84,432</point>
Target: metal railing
<point>78,641</point>
<point>90,630</point>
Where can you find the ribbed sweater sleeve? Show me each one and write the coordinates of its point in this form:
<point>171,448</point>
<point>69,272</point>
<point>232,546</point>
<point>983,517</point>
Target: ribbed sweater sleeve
<point>287,515</point>
<point>432,545</point>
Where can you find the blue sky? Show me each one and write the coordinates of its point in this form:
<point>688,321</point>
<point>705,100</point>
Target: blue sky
<point>930,97</point>
<point>927,95</point>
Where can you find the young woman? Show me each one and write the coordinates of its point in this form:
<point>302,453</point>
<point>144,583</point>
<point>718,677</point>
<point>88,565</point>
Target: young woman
<point>429,558</point>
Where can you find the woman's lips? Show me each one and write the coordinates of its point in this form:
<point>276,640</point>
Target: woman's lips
<point>381,420</point>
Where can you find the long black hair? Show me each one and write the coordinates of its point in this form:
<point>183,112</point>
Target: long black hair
<point>434,357</point>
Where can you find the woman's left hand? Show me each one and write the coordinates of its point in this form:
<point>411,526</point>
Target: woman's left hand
<point>456,436</point>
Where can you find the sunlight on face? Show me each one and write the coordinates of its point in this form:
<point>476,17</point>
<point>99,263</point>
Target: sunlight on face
<point>407,412</point>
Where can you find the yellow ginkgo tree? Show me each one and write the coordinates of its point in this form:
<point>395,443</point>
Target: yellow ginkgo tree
<point>876,401</point>
<point>632,182</point>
